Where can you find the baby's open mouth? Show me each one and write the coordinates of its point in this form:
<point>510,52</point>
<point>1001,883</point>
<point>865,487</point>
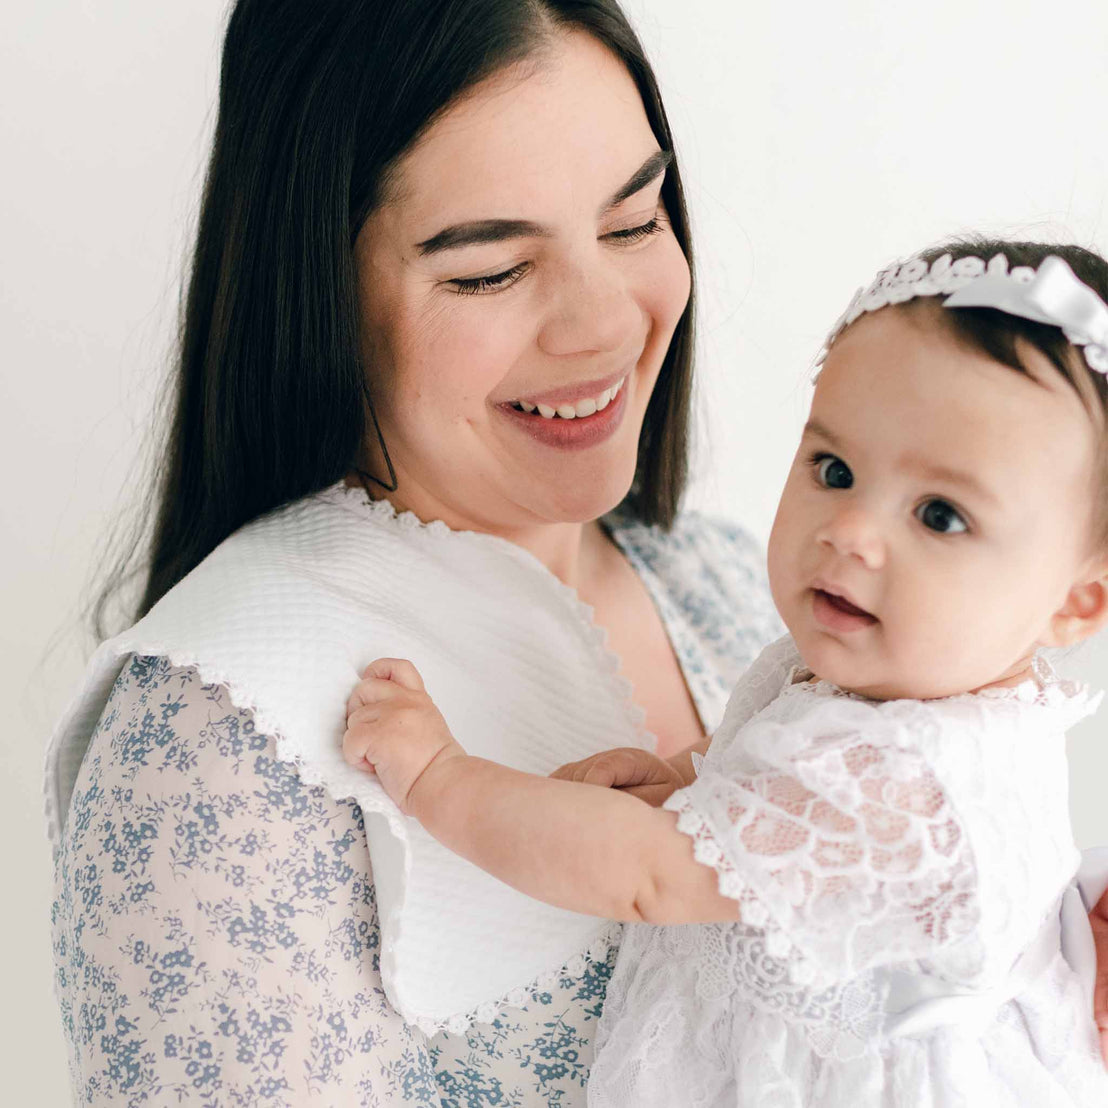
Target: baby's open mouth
<point>839,612</point>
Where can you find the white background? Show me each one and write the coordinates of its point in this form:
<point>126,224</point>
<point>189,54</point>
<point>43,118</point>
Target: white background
<point>817,141</point>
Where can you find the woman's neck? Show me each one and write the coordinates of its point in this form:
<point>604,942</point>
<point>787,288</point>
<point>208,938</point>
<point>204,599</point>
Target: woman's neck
<point>570,550</point>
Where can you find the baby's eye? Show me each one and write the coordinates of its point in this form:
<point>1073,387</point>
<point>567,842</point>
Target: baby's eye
<point>938,515</point>
<point>832,472</point>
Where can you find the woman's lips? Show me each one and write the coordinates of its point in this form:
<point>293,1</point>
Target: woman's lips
<point>836,613</point>
<point>572,434</point>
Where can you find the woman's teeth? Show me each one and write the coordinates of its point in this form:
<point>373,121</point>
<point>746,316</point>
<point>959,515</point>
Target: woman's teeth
<point>579,410</point>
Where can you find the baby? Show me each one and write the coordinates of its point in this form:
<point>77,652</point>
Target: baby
<point>870,854</point>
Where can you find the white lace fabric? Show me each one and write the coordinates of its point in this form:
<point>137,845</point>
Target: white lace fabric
<point>882,854</point>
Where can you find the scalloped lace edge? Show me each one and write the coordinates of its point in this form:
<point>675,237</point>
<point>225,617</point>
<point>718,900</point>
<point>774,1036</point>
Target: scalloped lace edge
<point>517,998</point>
<point>354,498</point>
<point>486,1011</point>
<point>691,822</point>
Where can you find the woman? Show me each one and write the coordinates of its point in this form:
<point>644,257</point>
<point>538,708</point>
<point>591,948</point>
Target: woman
<point>443,262</point>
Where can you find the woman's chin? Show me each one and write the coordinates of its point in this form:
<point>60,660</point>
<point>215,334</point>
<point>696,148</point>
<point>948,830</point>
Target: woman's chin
<point>585,501</point>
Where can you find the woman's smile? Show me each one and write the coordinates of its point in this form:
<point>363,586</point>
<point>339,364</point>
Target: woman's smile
<point>572,418</point>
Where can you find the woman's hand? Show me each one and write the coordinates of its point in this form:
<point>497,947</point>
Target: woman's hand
<point>1098,919</point>
<point>628,768</point>
<point>394,730</point>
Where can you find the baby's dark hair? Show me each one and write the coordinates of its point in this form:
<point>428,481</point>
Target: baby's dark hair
<point>1000,335</point>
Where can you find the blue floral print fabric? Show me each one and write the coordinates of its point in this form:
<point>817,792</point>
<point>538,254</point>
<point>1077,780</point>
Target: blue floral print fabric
<point>215,929</point>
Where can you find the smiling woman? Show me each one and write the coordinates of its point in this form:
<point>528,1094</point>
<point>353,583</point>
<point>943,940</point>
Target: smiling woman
<point>433,399</point>
<point>500,274</point>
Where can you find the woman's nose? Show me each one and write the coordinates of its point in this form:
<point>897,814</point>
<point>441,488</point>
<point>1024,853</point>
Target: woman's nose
<point>592,310</point>
<point>852,532</point>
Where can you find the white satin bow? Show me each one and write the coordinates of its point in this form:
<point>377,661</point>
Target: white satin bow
<point>1054,294</point>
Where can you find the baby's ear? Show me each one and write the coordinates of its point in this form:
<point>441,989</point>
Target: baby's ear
<point>1085,610</point>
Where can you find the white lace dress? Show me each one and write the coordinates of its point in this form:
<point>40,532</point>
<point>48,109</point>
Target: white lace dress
<point>899,867</point>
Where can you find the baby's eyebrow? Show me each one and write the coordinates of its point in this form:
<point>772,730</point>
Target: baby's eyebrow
<point>814,427</point>
<point>928,470</point>
<point>934,471</point>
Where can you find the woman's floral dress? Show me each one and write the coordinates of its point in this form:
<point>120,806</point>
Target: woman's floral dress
<point>214,925</point>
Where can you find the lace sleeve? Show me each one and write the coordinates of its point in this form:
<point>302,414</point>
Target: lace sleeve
<point>759,684</point>
<point>215,928</point>
<point>839,841</point>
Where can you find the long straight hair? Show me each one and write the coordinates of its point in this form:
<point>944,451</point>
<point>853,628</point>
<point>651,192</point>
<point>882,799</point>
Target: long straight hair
<point>272,400</point>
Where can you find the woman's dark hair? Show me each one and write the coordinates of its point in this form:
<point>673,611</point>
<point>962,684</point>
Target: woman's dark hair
<point>317,101</point>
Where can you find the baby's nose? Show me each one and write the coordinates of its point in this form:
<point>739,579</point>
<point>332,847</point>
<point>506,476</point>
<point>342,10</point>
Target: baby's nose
<point>854,533</point>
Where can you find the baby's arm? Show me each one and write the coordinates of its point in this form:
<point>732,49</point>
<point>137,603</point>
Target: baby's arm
<point>572,845</point>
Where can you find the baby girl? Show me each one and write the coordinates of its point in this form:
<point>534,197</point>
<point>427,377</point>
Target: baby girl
<point>852,895</point>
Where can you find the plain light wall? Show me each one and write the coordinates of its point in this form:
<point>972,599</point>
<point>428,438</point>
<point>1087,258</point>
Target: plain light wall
<point>817,141</point>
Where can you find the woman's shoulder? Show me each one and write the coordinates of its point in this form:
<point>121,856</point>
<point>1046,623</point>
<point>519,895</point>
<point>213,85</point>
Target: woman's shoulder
<point>217,912</point>
<point>164,722</point>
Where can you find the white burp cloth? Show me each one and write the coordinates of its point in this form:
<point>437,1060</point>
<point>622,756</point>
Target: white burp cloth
<point>288,611</point>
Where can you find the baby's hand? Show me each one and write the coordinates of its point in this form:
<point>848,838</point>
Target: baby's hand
<point>393,728</point>
<point>635,771</point>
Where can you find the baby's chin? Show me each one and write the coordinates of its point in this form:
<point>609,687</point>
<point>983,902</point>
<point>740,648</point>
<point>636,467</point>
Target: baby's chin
<point>867,673</point>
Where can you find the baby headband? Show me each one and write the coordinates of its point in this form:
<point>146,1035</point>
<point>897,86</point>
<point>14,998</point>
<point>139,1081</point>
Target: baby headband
<point>1051,294</point>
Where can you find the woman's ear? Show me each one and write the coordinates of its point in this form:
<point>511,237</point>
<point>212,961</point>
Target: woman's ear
<point>1084,612</point>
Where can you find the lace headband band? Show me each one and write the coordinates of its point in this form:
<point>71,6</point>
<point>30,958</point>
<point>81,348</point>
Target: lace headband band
<point>1051,294</point>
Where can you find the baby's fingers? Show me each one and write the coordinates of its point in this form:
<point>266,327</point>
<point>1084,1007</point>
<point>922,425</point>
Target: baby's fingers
<point>371,691</point>
<point>399,670</point>
<point>355,745</point>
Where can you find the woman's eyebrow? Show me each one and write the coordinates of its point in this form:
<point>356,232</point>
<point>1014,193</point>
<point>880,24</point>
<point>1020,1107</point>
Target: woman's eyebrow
<point>481,231</point>
<point>652,168</point>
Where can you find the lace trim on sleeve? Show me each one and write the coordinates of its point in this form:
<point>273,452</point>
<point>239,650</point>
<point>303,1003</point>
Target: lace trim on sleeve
<point>844,850</point>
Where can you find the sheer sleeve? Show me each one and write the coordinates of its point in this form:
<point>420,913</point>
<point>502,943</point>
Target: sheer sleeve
<point>214,927</point>
<point>835,836</point>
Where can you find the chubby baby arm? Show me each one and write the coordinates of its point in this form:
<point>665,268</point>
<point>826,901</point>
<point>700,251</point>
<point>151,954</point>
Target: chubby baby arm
<point>597,851</point>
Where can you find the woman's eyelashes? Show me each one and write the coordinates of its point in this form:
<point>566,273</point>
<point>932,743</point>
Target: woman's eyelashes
<point>495,282</point>
<point>935,513</point>
<point>491,283</point>
<point>636,234</point>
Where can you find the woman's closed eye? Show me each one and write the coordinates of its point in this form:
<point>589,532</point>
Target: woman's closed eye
<point>635,234</point>
<point>492,282</point>
<point>831,472</point>
<point>495,282</point>
<point>941,516</point>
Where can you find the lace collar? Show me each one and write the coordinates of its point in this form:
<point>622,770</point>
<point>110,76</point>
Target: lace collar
<point>1045,688</point>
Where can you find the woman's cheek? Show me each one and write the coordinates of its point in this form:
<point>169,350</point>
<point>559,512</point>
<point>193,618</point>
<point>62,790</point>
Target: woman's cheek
<point>671,284</point>
<point>471,347</point>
